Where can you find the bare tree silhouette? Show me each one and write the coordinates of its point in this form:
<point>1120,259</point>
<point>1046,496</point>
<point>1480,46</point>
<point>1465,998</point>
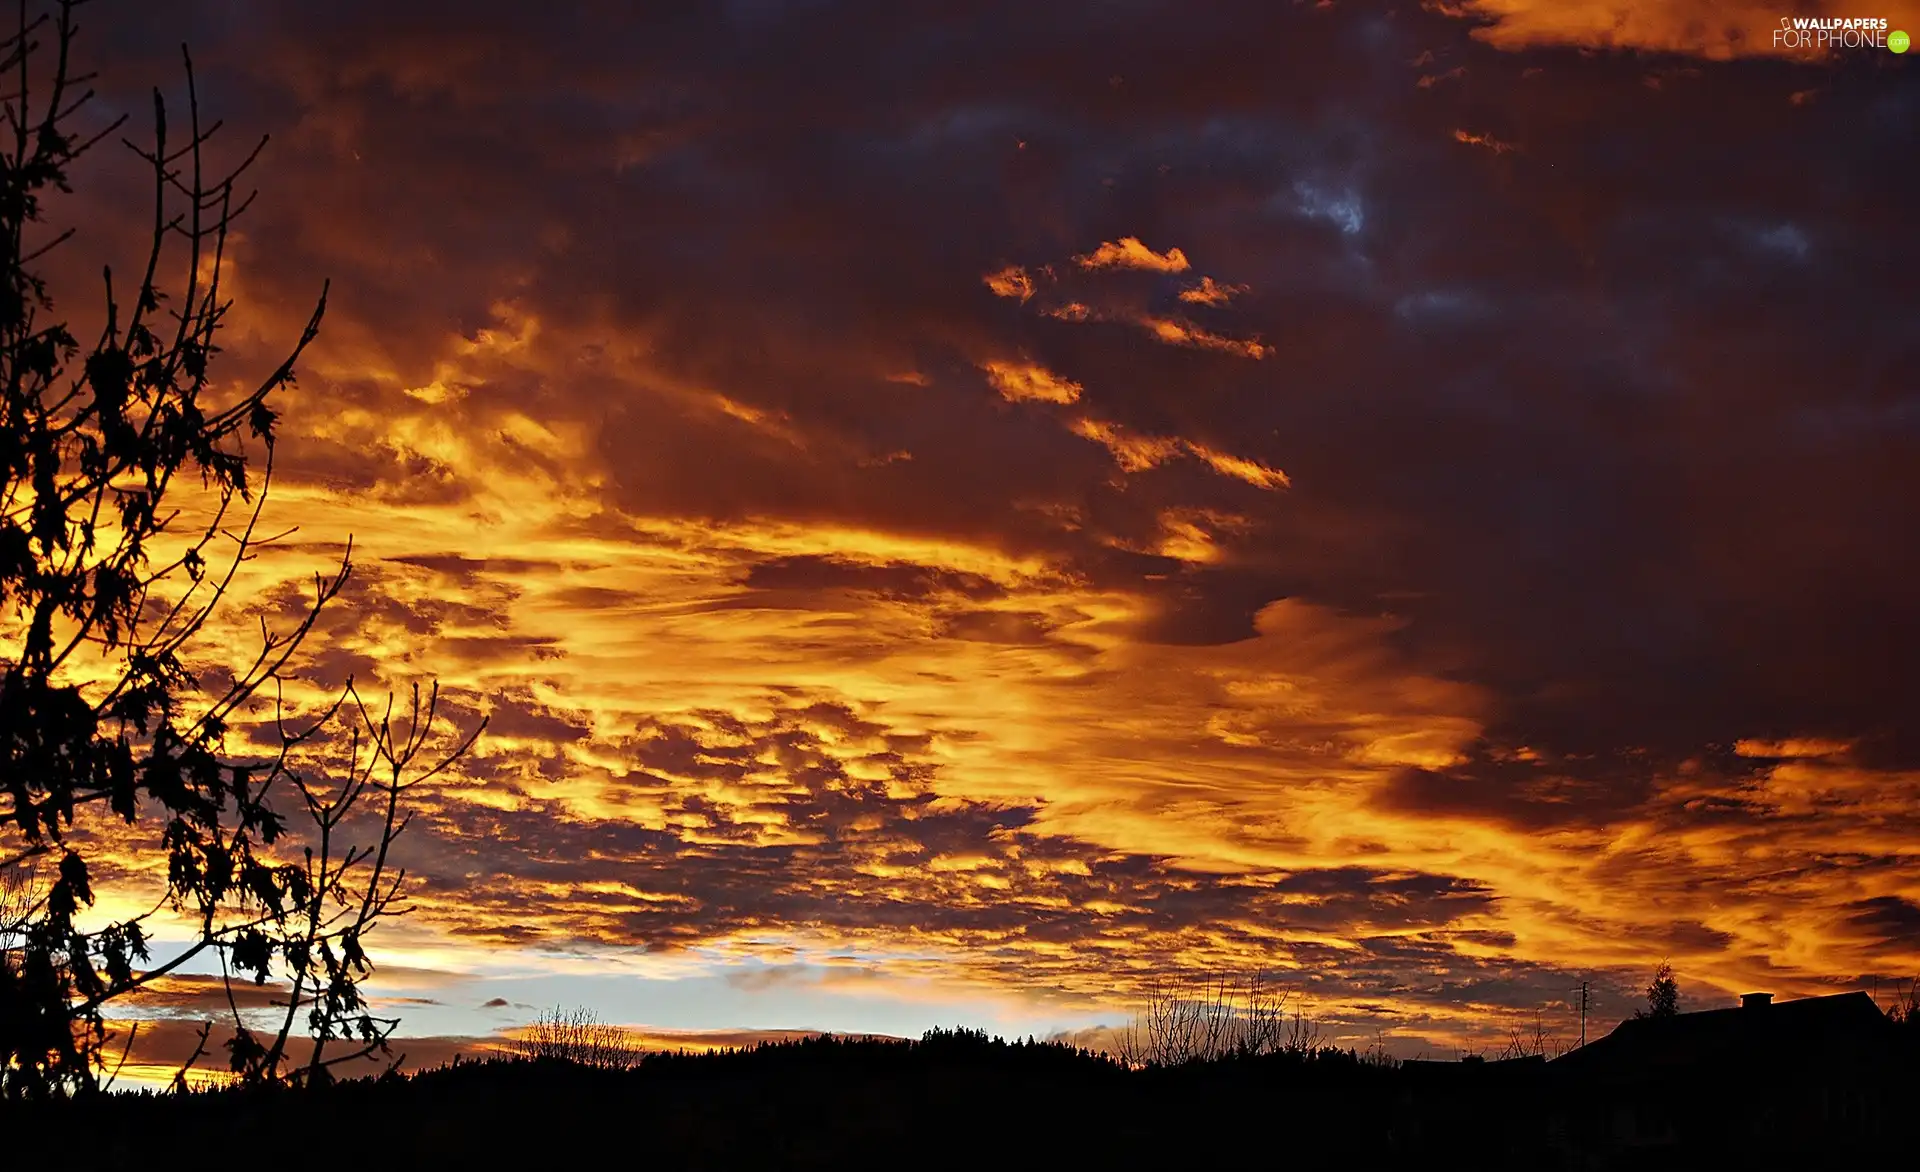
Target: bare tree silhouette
<point>1534,1042</point>
<point>1905,1008</point>
<point>1376,1054</point>
<point>579,1036</point>
<point>1214,1017</point>
<point>105,584</point>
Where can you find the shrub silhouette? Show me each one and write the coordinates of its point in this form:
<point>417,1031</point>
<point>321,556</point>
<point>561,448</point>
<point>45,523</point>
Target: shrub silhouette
<point>108,557</point>
<point>577,1036</point>
<point>1214,1018</point>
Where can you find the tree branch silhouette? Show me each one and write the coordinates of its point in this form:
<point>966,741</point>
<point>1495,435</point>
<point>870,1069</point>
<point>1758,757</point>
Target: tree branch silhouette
<point>97,447</point>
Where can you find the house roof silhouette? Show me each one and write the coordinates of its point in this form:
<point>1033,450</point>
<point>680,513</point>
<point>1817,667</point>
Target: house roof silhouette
<point>1756,1035</point>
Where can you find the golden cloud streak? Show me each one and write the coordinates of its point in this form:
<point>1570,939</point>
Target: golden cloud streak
<point>1020,382</point>
<point>1181,333</point>
<point>1251,471</point>
<point>1483,140</point>
<point>1135,452</point>
<point>1132,451</point>
<point>1211,292</point>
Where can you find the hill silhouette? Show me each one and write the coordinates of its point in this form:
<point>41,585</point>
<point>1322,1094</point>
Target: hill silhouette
<point>954,1097</point>
<point>958,1098</point>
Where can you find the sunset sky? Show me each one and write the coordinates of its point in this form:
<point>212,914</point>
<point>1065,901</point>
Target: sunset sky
<point>956,510</point>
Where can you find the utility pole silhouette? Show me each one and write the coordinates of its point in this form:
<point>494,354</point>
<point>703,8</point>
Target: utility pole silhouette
<point>1585,1001</point>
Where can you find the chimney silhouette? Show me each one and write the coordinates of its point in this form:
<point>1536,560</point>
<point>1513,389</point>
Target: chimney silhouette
<point>1755,1000</point>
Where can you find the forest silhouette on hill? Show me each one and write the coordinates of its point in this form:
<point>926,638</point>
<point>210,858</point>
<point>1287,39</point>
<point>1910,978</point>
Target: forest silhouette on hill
<point>959,1097</point>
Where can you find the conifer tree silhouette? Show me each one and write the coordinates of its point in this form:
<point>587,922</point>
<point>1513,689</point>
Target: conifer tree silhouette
<point>1663,994</point>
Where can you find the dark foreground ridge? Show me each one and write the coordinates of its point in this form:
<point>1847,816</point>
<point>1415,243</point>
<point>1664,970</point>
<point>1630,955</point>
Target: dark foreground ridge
<point>1825,1083</point>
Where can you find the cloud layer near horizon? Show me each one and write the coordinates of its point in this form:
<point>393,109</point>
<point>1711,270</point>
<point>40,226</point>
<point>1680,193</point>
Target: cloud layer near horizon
<point>1052,496</point>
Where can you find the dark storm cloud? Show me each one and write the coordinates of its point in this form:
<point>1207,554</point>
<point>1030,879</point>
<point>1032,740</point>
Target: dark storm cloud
<point>898,580</point>
<point>1525,793</point>
<point>1890,917</point>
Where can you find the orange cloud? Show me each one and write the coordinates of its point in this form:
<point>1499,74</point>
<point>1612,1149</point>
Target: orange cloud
<point>1132,451</point>
<point>1129,253</point>
<point>1211,292</point>
<point>1011,281</point>
<point>1251,471</point>
<point>1020,382</point>
<point>1180,333</point>
<point>1485,140</point>
<point>1135,452</point>
<point>1792,747</point>
<point>1715,29</point>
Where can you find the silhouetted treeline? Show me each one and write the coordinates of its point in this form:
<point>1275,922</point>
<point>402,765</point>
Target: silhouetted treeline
<point>955,1098</point>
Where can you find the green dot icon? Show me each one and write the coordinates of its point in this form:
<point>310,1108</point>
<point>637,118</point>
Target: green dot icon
<point>1898,40</point>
